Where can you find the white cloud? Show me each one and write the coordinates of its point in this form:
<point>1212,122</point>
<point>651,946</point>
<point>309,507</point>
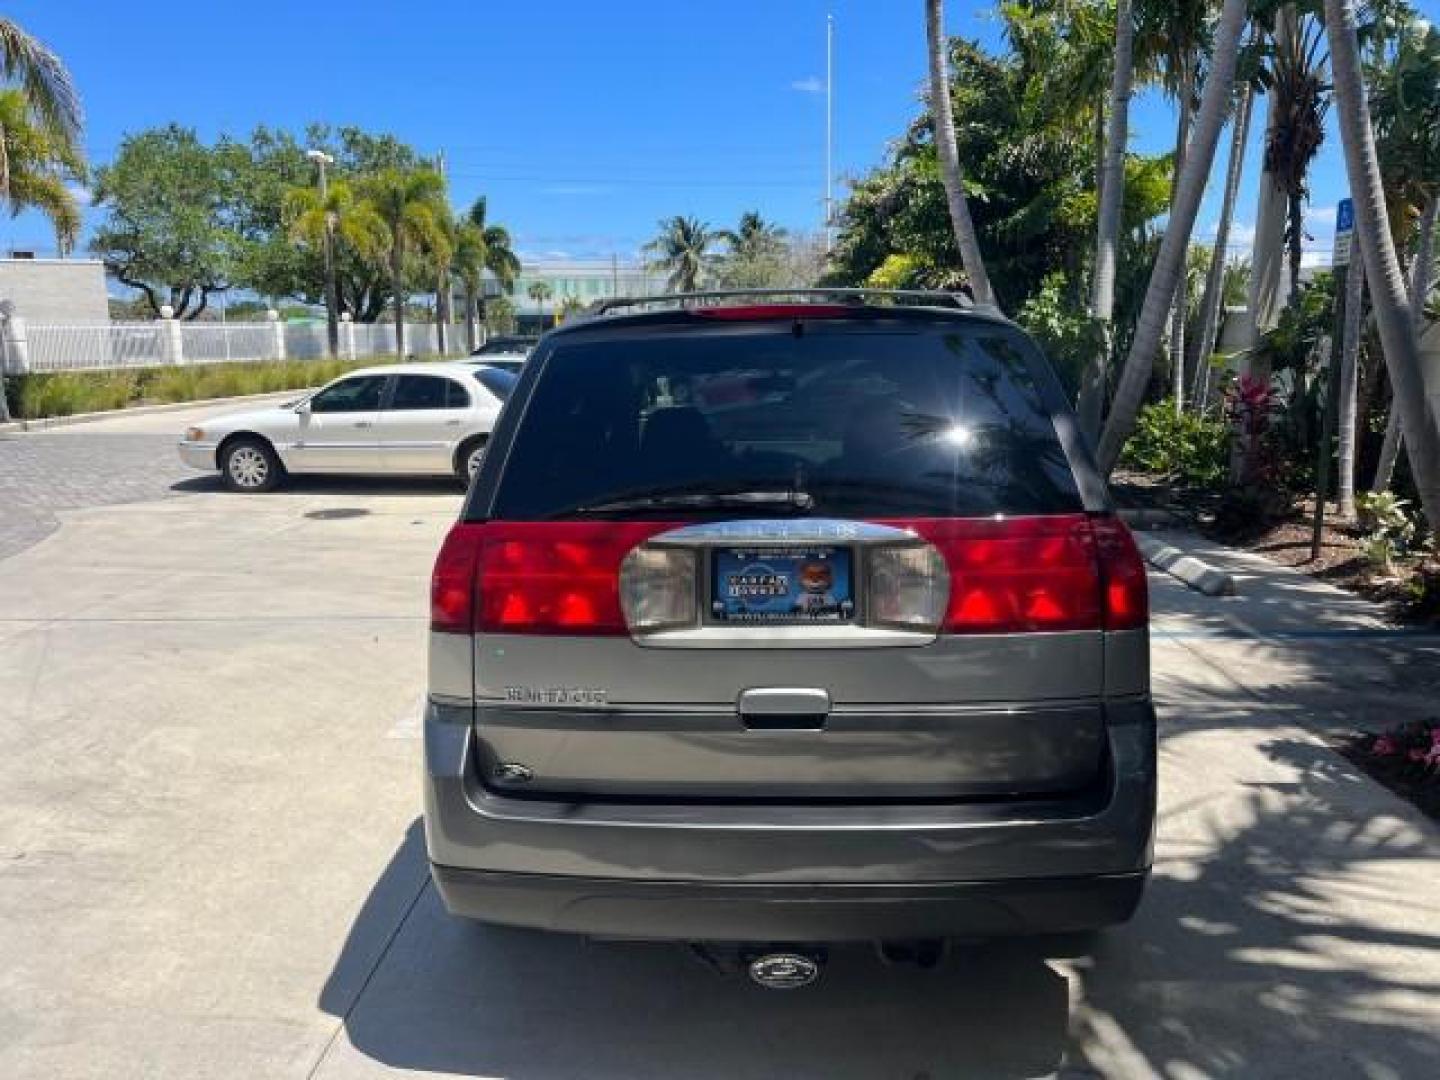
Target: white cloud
<point>82,195</point>
<point>812,85</point>
<point>1241,233</point>
<point>1321,217</point>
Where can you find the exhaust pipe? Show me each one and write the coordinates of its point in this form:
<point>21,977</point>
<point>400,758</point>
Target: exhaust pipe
<point>786,970</point>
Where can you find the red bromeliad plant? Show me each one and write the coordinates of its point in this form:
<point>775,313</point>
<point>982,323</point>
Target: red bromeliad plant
<point>1260,487</point>
<point>1412,749</point>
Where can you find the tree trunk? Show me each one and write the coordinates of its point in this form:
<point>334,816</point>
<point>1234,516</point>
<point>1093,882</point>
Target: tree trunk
<point>1294,241</point>
<point>471,344</point>
<point>1349,386</point>
<point>965,239</point>
<point>1170,263</point>
<point>1387,285</point>
<point>397,286</point>
<point>1112,193</point>
<point>1419,290</point>
<point>1182,287</point>
<point>1267,270</point>
<point>1213,302</point>
<point>442,311</point>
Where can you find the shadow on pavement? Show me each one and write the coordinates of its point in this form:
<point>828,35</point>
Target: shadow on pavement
<point>1291,927</point>
<point>457,997</point>
<point>423,486</point>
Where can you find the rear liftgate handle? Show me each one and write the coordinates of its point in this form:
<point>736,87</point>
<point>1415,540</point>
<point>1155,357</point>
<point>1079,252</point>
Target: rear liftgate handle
<point>783,708</point>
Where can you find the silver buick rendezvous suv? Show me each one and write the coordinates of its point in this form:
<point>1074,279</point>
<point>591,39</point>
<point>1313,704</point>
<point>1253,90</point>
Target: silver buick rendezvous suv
<point>789,622</point>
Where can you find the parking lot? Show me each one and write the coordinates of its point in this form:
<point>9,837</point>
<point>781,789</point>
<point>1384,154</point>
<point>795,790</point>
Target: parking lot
<point>211,860</point>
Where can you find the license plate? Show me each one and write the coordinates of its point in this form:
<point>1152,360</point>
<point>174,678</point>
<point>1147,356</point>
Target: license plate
<point>782,585</point>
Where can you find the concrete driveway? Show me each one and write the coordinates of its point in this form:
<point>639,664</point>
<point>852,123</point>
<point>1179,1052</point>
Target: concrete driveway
<point>211,863</point>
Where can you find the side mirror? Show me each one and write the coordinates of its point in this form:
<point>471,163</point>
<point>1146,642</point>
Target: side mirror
<point>303,409</point>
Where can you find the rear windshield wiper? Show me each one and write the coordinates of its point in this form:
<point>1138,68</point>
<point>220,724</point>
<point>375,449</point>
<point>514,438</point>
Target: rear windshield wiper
<point>705,500</point>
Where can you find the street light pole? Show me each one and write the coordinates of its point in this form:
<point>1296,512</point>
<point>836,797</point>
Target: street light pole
<point>332,303</point>
<point>829,130</point>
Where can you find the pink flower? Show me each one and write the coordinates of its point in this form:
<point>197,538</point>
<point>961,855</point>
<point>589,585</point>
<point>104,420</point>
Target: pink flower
<point>1384,746</point>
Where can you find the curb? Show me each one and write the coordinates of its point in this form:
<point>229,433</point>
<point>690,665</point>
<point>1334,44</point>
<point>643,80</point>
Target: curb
<point>47,422</point>
<point>1200,576</point>
<point>1151,518</point>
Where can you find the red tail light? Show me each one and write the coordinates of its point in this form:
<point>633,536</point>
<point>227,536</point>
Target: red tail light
<point>554,577</point>
<point>1122,575</point>
<point>776,311</point>
<point>452,582</point>
<point>1012,575</point>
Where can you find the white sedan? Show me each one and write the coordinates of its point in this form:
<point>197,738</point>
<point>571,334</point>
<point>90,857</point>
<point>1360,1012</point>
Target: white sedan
<point>401,419</point>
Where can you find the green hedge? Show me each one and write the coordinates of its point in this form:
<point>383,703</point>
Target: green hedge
<point>64,393</point>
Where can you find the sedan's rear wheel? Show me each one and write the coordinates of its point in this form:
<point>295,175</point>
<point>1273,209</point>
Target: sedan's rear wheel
<point>249,465</point>
<point>468,460</point>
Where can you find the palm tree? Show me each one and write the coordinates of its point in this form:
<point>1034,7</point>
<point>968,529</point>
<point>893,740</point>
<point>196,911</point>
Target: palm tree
<point>754,238</point>
<point>1177,33</point>
<point>350,220</point>
<point>439,252</point>
<point>1418,422</point>
<point>940,109</point>
<point>681,252</point>
<point>1406,107</point>
<point>37,166</point>
<point>1349,387</point>
<point>1300,83</point>
<point>410,203</point>
<point>500,257</point>
<point>40,122</point>
<point>1213,298</point>
<point>1171,261</point>
<point>468,264</point>
<point>540,291</point>
<point>1112,193</point>
<point>46,88</point>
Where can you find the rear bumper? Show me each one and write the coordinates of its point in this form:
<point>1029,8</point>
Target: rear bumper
<point>687,911</point>
<point>811,871</point>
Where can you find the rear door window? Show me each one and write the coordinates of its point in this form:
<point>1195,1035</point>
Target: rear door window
<point>868,424</point>
<point>427,392</point>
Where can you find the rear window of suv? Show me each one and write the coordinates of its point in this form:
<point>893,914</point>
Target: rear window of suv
<point>867,424</point>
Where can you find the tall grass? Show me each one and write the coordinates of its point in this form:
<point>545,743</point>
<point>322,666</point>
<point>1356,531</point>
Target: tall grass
<point>51,394</point>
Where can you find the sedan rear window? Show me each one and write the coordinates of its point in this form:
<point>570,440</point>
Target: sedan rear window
<point>869,424</point>
<point>498,381</point>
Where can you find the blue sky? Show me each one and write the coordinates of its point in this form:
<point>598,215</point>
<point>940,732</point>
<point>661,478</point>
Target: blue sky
<point>584,123</point>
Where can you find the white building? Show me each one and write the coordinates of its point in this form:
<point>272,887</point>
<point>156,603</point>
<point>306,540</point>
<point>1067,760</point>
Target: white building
<point>584,280</point>
<point>66,291</point>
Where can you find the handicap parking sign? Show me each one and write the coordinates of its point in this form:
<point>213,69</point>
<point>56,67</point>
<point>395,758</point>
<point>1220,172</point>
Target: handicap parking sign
<point>1345,216</point>
<point>1344,232</point>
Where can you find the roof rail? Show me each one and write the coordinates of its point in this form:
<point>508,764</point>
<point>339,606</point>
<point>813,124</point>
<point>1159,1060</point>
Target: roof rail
<point>911,297</point>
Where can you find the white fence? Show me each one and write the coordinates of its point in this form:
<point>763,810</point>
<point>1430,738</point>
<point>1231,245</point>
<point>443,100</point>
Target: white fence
<point>97,347</point>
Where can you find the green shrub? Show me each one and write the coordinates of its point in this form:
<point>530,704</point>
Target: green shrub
<point>1192,449</point>
<point>1067,333</point>
<point>1389,530</point>
<point>66,393</point>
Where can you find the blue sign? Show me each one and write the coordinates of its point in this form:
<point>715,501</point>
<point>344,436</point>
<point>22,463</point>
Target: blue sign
<point>1345,216</point>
